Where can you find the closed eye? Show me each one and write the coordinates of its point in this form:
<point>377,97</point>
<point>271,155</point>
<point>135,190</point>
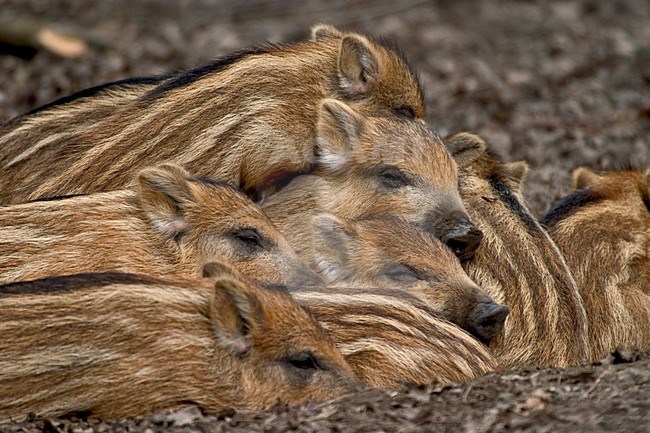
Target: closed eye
<point>403,274</point>
<point>249,237</point>
<point>392,177</point>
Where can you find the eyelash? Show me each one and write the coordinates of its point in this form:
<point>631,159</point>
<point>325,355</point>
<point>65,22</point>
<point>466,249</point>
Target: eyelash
<point>394,179</point>
<point>249,237</point>
<point>405,112</point>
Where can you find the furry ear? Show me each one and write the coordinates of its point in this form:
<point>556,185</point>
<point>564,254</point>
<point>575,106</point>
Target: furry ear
<point>331,247</point>
<point>322,31</point>
<point>338,131</point>
<point>465,148</point>
<point>235,310</point>
<point>517,171</point>
<point>358,66</point>
<point>164,192</point>
<point>583,177</point>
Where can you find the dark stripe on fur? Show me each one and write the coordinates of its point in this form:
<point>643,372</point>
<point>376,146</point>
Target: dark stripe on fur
<point>221,184</point>
<point>92,91</point>
<point>58,197</point>
<point>187,77</point>
<point>507,197</point>
<point>568,205</point>
<point>71,283</point>
<point>646,199</point>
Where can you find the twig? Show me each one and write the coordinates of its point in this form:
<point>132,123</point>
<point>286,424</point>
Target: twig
<point>466,393</point>
<point>596,382</point>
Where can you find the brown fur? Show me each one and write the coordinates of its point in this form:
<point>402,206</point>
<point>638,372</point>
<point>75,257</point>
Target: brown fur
<point>388,336</point>
<point>417,179</point>
<point>248,118</point>
<point>603,229</point>
<point>122,345</point>
<point>168,223</point>
<point>390,253</point>
<point>519,265</point>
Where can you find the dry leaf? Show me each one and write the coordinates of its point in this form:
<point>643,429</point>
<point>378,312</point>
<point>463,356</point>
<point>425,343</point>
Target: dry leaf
<point>61,44</point>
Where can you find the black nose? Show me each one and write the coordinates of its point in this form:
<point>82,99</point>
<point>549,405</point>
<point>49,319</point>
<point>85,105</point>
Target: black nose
<point>464,242</point>
<point>488,321</point>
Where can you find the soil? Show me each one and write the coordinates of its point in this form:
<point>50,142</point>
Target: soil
<point>558,83</point>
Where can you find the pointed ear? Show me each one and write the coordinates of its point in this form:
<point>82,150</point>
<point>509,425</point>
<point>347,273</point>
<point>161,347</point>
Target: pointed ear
<point>321,31</point>
<point>583,177</point>
<point>517,171</point>
<point>235,310</point>
<point>332,241</point>
<point>164,193</point>
<point>465,148</point>
<point>338,131</point>
<point>358,66</point>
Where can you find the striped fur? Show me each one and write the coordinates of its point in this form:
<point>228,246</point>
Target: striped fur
<point>248,118</point>
<point>519,265</point>
<point>603,229</point>
<point>388,337</point>
<point>168,223</point>
<point>368,168</point>
<point>53,121</point>
<point>107,95</point>
<point>387,253</point>
<point>133,345</point>
<point>416,179</point>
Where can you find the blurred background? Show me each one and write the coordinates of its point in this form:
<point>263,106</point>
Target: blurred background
<point>556,83</point>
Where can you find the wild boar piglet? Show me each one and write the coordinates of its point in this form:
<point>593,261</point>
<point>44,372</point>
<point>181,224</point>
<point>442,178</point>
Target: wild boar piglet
<point>367,167</point>
<point>518,264</point>
<point>603,230</point>
<point>247,118</point>
<point>375,165</point>
<point>167,223</point>
<point>390,253</point>
<point>115,345</point>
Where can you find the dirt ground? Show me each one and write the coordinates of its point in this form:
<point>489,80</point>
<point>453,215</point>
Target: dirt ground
<point>558,83</point>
